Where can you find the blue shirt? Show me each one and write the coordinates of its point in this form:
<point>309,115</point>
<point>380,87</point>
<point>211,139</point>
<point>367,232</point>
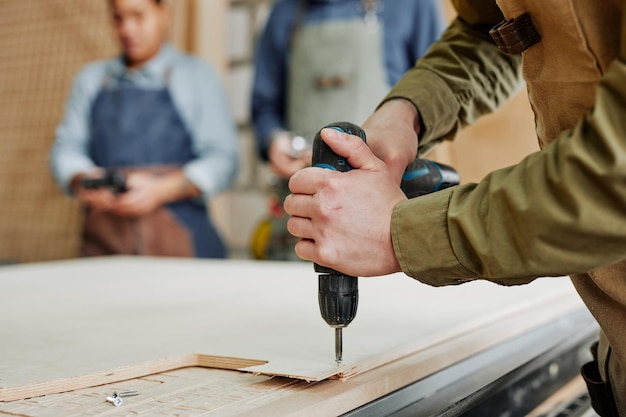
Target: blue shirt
<point>198,97</point>
<point>409,28</point>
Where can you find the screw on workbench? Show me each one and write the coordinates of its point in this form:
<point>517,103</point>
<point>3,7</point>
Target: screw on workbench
<point>116,398</point>
<point>116,401</point>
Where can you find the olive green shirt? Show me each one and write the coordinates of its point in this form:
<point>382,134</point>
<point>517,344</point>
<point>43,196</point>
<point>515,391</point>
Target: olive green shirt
<point>560,211</point>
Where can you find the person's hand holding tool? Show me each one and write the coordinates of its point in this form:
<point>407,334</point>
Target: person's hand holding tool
<point>144,195</point>
<point>101,199</point>
<point>287,155</point>
<point>146,192</point>
<point>344,217</point>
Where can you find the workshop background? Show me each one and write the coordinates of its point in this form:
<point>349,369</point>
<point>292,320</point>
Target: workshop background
<point>45,42</point>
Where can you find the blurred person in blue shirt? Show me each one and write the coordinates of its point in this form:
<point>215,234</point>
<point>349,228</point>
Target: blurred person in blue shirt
<point>314,60</point>
<point>159,117</point>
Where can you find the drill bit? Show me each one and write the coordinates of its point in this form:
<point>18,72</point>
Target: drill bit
<point>338,345</point>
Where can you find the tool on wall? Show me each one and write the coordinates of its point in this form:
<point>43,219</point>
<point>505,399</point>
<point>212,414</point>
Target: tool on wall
<point>338,293</point>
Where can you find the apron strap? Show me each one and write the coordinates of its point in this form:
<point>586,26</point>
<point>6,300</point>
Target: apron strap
<point>623,35</point>
<point>297,22</point>
<point>600,391</point>
<point>516,35</point>
<point>370,9</point>
<point>167,77</point>
<point>106,80</point>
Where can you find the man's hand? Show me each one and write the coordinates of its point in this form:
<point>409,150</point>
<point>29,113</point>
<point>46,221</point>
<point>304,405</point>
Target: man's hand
<point>144,195</point>
<point>392,135</point>
<point>99,199</point>
<point>147,192</point>
<point>281,157</point>
<point>344,218</point>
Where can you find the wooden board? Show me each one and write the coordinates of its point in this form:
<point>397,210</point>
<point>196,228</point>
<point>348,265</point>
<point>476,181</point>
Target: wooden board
<point>74,324</point>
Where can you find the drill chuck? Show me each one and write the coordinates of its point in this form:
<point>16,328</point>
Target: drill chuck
<point>338,297</point>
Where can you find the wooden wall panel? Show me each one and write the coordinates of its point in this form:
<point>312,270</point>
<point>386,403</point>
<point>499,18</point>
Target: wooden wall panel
<point>141,316</point>
<point>44,43</point>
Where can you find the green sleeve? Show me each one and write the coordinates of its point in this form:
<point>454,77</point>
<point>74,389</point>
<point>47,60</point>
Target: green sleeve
<point>560,211</point>
<point>462,76</point>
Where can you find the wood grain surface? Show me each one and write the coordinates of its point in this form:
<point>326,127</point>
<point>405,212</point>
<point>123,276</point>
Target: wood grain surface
<point>74,324</point>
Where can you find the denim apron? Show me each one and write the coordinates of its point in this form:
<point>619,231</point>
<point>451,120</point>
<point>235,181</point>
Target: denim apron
<point>138,129</point>
<point>336,73</point>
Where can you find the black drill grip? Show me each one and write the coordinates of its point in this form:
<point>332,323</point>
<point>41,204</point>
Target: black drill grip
<point>324,157</point>
<point>112,179</point>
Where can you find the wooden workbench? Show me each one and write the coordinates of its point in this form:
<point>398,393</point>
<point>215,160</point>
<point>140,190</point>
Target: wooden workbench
<point>97,326</point>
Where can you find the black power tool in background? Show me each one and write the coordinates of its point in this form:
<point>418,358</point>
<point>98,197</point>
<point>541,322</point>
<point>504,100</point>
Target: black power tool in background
<point>339,293</point>
<point>112,179</point>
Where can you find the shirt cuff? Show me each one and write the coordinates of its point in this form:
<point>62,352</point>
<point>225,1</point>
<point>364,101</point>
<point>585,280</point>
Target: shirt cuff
<point>65,175</point>
<point>419,232</point>
<point>434,100</point>
<point>196,173</point>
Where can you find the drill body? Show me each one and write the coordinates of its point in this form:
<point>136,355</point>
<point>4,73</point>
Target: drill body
<point>338,294</point>
<point>112,179</point>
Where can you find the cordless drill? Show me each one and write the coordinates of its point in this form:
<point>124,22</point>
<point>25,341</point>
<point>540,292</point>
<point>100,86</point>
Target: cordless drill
<point>112,179</point>
<point>339,293</point>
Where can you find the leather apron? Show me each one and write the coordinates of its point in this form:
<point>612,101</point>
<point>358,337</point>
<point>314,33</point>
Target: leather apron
<point>336,73</point>
<point>579,39</point>
<point>139,129</point>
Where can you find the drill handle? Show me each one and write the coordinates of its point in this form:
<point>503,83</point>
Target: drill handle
<point>324,157</point>
<point>112,179</point>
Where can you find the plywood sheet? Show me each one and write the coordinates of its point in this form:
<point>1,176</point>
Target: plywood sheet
<point>73,324</point>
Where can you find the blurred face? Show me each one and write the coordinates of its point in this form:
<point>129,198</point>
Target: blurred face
<point>141,27</point>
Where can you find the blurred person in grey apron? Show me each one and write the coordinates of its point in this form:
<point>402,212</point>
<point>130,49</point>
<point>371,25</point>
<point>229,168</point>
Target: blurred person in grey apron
<point>159,118</point>
<point>322,61</point>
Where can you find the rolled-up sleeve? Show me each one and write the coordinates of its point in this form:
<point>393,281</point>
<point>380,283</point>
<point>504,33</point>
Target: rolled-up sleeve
<point>69,154</point>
